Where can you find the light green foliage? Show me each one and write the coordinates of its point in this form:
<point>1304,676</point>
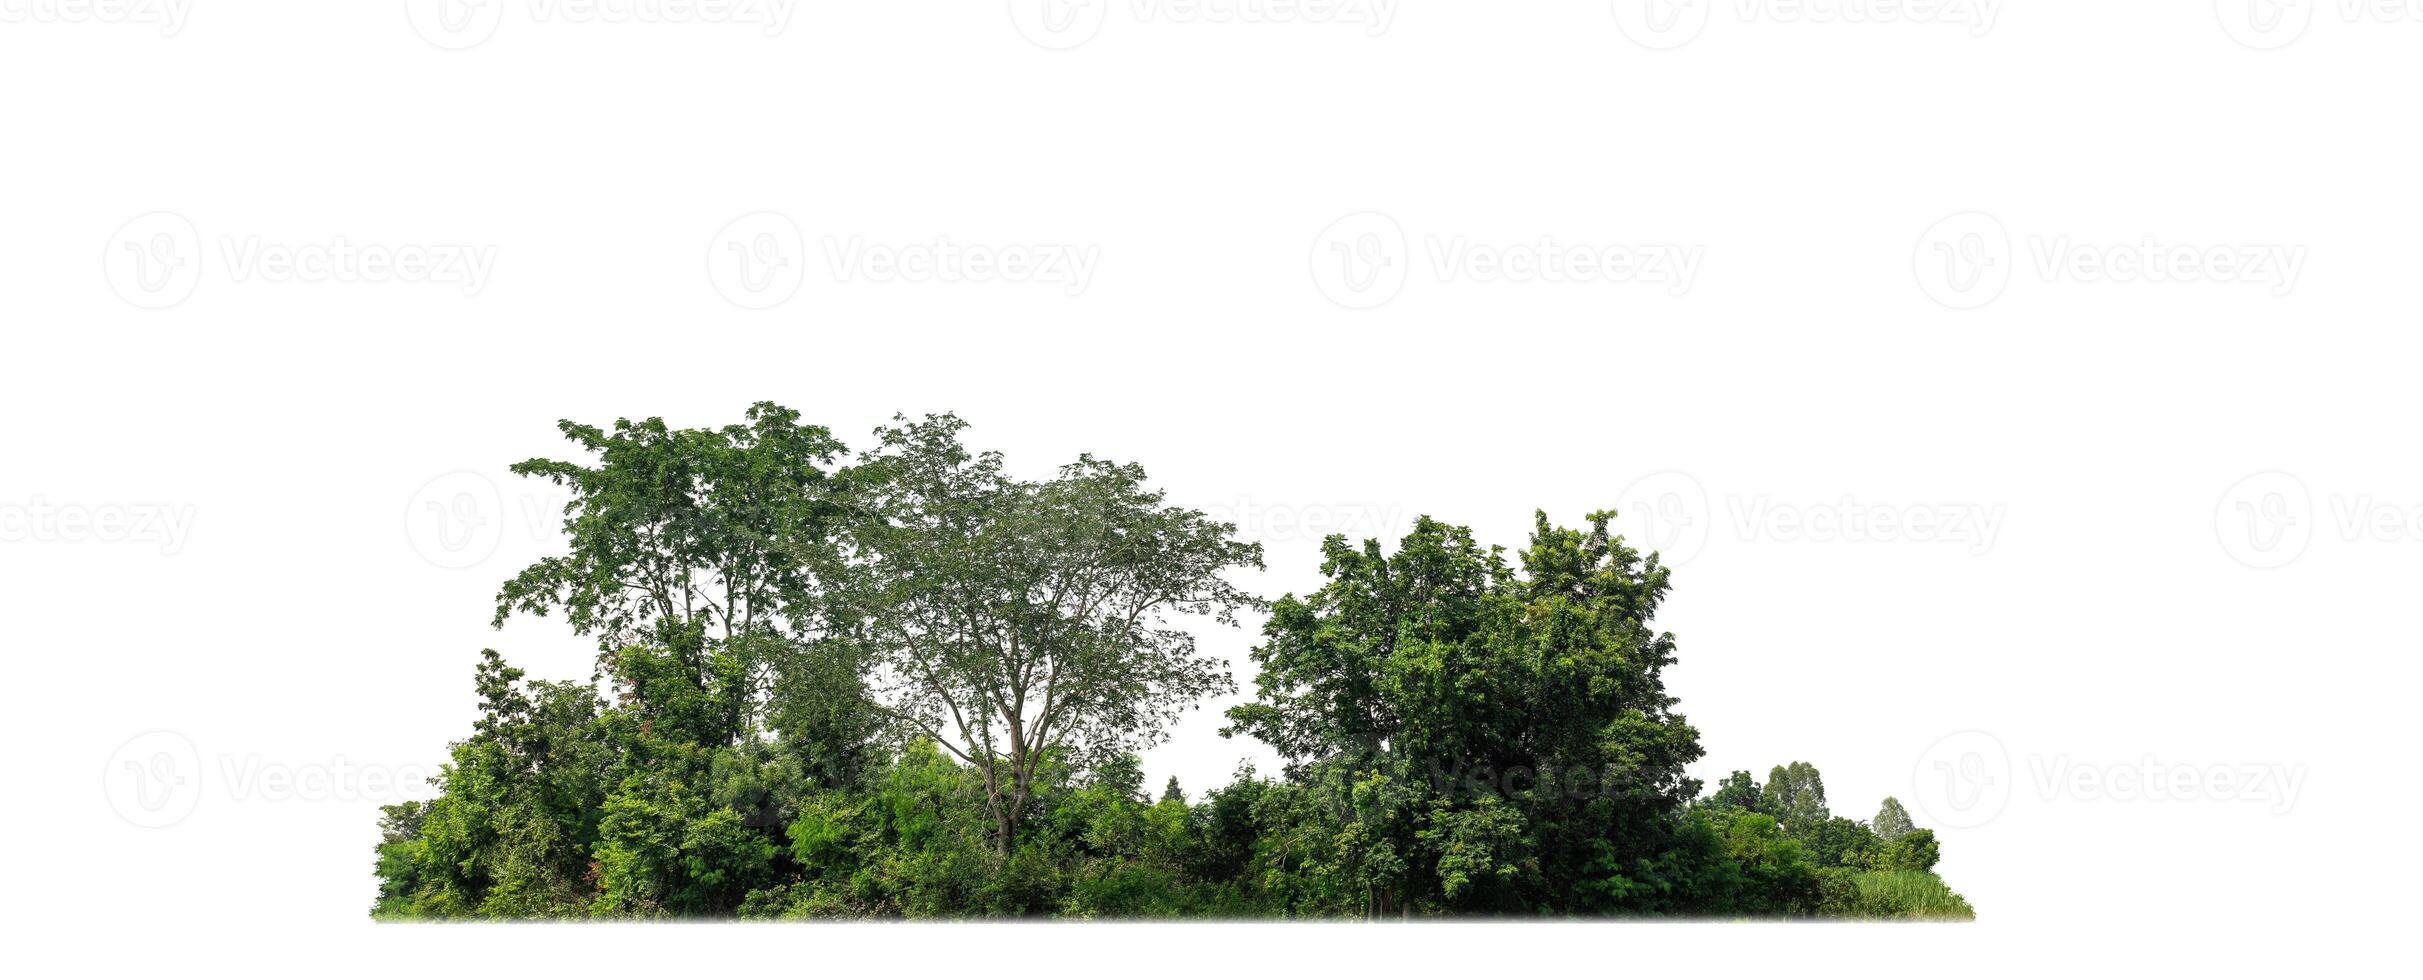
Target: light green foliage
<point>1014,621</point>
<point>1891,820</point>
<point>1910,895</point>
<point>1795,796</point>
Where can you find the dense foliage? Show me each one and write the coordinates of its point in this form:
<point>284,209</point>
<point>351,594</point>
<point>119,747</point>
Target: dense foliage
<point>913,685</point>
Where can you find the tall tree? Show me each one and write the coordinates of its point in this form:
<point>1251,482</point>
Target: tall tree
<point>1891,821</point>
<point>695,558</point>
<point>1795,796</point>
<point>1014,622</point>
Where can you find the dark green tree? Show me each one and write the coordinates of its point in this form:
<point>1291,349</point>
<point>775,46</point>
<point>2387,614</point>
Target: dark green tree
<point>1524,710</point>
<point>1737,790</point>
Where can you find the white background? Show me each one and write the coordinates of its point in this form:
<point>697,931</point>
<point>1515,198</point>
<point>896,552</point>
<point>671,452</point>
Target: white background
<point>216,515</point>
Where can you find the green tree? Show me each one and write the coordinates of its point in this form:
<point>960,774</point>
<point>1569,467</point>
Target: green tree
<point>1737,790</point>
<point>510,833</point>
<point>666,850</point>
<point>1015,621</point>
<point>1839,842</point>
<point>1795,796</point>
<point>1913,851</point>
<point>1528,706</point>
<point>1891,820</point>
<point>695,558</point>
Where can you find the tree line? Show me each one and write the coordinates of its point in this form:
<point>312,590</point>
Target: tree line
<point>903,682</point>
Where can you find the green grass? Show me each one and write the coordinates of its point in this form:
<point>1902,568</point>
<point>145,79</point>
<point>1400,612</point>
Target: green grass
<point>1911,895</point>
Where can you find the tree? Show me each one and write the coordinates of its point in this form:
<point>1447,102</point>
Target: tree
<point>1737,790</point>
<point>696,558</point>
<point>1015,621</point>
<point>510,834</point>
<point>1172,794</point>
<point>1913,851</point>
<point>1530,705</point>
<point>1891,820</point>
<point>1839,842</point>
<point>1795,796</point>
